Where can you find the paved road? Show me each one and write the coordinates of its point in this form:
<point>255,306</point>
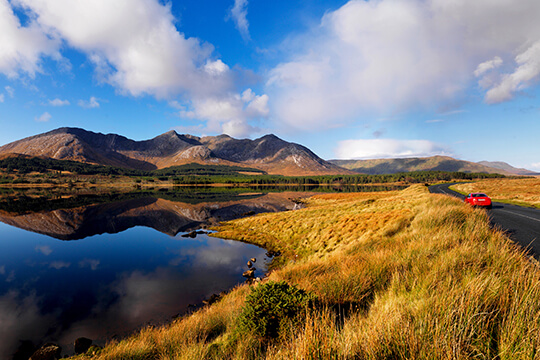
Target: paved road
<point>520,223</point>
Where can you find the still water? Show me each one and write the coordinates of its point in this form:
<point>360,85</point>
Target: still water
<point>126,265</point>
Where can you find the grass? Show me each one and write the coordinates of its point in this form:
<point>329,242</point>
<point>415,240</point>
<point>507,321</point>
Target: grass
<point>398,275</point>
<point>523,191</point>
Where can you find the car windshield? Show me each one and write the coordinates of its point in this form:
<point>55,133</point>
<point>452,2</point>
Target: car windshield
<point>479,195</point>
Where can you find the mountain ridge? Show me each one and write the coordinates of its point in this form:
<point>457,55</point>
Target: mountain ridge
<point>443,163</point>
<point>268,153</point>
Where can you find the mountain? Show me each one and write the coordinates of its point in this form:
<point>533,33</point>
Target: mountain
<point>507,167</point>
<point>268,153</point>
<point>391,166</point>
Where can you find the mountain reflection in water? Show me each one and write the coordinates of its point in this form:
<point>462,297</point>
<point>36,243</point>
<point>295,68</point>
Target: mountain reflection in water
<point>166,216</point>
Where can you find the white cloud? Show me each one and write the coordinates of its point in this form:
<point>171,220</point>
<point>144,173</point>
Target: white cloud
<point>92,103</point>
<point>43,117</point>
<point>434,121</point>
<point>388,56</point>
<point>231,114</point>
<point>58,102</point>
<point>387,148</point>
<point>134,44</point>
<point>488,65</point>
<point>1,98</point>
<point>239,15</point>
<point>10,91</point>
<point>23,46</point>
<point>527,71</point>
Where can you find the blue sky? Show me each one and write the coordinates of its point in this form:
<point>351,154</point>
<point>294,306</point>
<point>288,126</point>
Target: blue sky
<point>348,79</point>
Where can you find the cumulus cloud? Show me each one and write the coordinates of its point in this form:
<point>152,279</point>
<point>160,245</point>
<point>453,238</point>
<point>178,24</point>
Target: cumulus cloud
<point>58,102</point>
<point>134,46</point>
<point>387,148</point>
<point>92,103</point>
<point>521,78</point>
<point>488,65</point>
<point>239,15</point>
<point>229,114</point>
<point>23,47</point>
<point>1,98</point>
<point>389,56</point>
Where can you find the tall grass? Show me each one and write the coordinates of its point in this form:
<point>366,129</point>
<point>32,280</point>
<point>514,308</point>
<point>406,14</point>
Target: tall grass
<point>399,275</point>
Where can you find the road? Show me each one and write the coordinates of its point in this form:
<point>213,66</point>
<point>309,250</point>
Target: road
<point>520,223</point>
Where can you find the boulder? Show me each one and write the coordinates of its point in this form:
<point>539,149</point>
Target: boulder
<point>48,351</point>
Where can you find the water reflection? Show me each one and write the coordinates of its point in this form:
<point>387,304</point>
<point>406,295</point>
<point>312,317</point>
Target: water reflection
<point>166,216</point>
<point>107,284</point>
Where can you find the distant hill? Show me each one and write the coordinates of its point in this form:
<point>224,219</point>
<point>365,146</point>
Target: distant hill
<point>392,166</point>
<point>508,168</point>
<point>268,153</point>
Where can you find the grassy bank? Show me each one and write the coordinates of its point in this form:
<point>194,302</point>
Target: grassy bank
<point>398,275</point>
<point>525,191</point>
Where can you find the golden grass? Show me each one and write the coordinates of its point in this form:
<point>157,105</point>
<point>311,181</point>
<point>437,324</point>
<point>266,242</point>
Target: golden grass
<point>517,191</point>
<point>400,275</point>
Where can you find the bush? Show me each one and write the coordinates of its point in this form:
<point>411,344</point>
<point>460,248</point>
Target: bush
<point>272,305</point>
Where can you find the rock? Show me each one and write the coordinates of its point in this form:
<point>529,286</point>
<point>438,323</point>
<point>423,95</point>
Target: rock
<point>82,345</point>
<point>48,351</point>
<point>249,264</point>
<point>249,274</point>
<point>253,260</point>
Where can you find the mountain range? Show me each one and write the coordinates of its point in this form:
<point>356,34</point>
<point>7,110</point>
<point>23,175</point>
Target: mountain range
<point>442,163</point>
<point>268,153</point>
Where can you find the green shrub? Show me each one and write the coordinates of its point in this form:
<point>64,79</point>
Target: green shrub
<point>272,305</point>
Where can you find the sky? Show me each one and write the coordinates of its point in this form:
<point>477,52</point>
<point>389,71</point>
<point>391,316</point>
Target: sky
<point>348,79</point>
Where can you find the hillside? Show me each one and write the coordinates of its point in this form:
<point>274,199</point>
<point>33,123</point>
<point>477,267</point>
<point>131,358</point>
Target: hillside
<point>507,167</point>
<point>391,166</point>
<point>268,153</point>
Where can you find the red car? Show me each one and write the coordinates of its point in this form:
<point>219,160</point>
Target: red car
<point>478,199</point>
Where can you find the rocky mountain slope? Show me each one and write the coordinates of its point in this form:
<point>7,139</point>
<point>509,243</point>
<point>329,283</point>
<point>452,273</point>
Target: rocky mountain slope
<point>268,153</point>
<point>444,163</point>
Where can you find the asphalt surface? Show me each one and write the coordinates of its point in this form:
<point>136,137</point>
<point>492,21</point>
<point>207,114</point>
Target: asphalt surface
<point>520,223</point>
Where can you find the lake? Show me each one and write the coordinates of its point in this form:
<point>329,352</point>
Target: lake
<point>104,265</point>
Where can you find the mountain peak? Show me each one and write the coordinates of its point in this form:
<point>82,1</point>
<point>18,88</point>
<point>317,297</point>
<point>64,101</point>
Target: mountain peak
<point>268,153</point>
